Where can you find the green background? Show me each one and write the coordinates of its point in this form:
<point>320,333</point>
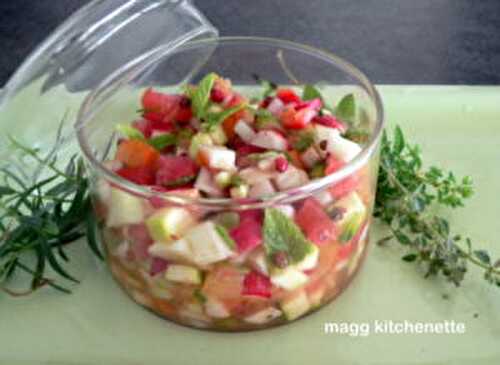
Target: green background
<point>457,127</point>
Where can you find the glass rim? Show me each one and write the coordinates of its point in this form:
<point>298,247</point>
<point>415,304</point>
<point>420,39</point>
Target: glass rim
<point>282,197</point>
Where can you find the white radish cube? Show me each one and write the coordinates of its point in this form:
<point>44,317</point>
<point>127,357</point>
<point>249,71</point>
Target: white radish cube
<point>270,140</point>
<point>291,178</point>
<point>263,316</point>
<point>310,157</point>
<point>262,188</point>
<point>340,147</point>
<point>244,131</point>
<point>207,245</point>
<point>205,183</point>
<point>258,261</point>
<point>276,106</point>
<point>253,175</point>
<point>219,157</point>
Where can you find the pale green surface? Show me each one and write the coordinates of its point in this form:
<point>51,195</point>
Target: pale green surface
<point>458,127</point>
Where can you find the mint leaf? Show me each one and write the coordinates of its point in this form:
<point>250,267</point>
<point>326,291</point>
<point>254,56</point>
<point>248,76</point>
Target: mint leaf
<point>346,108</point>
<point>201,96</point>
<point>162,141</point>
<point>214,119</point>
<point>130,132</point>
<point>311,92</point>
<point>281,234</point>
<point>224,234</point>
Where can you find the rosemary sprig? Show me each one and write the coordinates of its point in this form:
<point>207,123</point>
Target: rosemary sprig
<point>407,195</point>
<point>39,217</point>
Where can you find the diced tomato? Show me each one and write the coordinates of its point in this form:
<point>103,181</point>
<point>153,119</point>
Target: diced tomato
<point>171,169</point>
<point>139,175</point>
<point>157,266</point>
<point>185,112</point>
<point>255,215</point>
<point>315,223</point>
<point>152,116</point>
<point>136,153</point>
<point>295,159</point>
<point>344,186</point>
<point>265,102</point>
<point>288,96</point>
<point>294,119</point>
<point>161,126</point>
<point>256,284</point>
<point>224,283</point>
<point>247,235</point>
<point>157,104</point>
<point>164,307</point>
<point>143,126</point>
<point>314,104</point>
<point>330,121</point>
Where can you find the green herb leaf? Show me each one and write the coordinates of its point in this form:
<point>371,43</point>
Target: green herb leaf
<point>346,108</point>
<point>201,96</point>
<point>212,120</point>
<point>163,140</point>
<point>281,234</point>
<point>409,257</point>
<point>223,232</point>
<point>303,141</point>
<point>483,256</point>
<point>406,201</point>
<point>130,132</point>
<point>310,92</point>
<point>179,182</point>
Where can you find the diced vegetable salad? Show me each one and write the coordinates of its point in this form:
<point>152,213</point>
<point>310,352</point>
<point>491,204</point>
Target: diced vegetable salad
<point>235,270</point>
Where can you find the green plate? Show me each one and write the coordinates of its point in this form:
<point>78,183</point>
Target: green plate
<point>458,128</point>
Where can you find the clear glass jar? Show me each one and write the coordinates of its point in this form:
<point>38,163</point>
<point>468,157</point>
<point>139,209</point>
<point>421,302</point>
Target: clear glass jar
<point>213,296</point>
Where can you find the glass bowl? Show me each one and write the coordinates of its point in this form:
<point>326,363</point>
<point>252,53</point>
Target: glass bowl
<point>211,293</point>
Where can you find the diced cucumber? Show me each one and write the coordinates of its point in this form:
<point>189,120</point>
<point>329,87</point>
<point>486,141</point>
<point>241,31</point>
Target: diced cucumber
<point>183,274</point>
<point>263,316</point>
<point>289,278</point>
<point>216,309</point>
<point>228,220</point>
<point>207,245</point>
<point>218,136</point>
<point>169,223</point>
<point>198,140</point>
<point>354,213</point>
<point>295,306</point>
<point>178,250</point>
<point>124,208</point>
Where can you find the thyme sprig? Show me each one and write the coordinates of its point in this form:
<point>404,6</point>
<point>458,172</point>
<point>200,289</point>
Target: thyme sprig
<point>407,197</point>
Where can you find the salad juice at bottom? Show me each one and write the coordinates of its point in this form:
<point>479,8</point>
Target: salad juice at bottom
<point>235,269</point>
